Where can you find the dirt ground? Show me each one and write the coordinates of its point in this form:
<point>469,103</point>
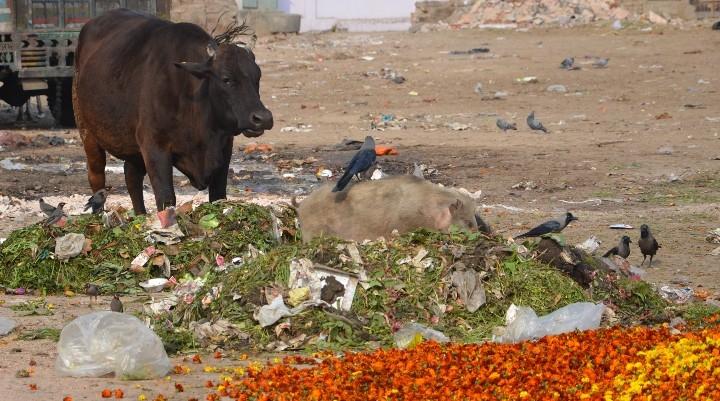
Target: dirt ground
<point>636,142</point>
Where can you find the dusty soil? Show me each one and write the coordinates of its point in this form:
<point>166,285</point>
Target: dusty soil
<point>637,142</point>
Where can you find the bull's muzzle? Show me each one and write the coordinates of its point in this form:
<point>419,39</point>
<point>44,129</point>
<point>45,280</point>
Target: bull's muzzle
<point>260,120</point>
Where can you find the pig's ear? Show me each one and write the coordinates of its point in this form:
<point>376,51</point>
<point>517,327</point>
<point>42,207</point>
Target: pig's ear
<point>455,206</point>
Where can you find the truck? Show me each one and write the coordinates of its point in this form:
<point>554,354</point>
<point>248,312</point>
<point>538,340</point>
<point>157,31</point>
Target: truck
<point>37,47</point>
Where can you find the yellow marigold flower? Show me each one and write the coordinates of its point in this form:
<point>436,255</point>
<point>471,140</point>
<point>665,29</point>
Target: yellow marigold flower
<point>524,394</point>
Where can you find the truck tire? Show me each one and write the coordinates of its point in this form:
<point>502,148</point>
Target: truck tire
<point>60,101</point>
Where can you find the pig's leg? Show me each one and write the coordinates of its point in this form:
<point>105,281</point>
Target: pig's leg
<point>159,168</point>
<point>134,176</point>
<point>95,163</point>
<point>217,188</point>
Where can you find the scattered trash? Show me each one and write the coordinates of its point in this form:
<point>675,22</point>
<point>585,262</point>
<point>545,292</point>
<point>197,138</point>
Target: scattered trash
<point>676,295</point>
<point>137,264</point>
<point>713,236</point>
<point>257,148</point>
<point>367,58</point>
<point>69,245</point>
<point>665,150</point>
<point>478,88</point>
<point>590,245</point>
<point>6,326</point>
<point>267,315</point>
<point>523,324</point>
<point>101,343</point>
<point>715,252</point>
<point>475,50</point>
<point>455,126</point>
<point>468,284</point>
<point>663,116</point>
<point>527,80</point>
<point>413,333</point>
<point>324,173</point>
<point>168,236</point>
<point>525,185</point>
<point>381,150</point>
<point>296,296</point>
<point>378,174</point>
<point>557,88</point>
<point>300,127</point>
<point>621,226</point>
<point>305,274</point>
<point>154,284</point>
<point>617,24</point>
<point>412,93</point>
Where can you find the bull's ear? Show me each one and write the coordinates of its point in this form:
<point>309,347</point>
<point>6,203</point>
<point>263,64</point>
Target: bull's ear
<point>199,70</point>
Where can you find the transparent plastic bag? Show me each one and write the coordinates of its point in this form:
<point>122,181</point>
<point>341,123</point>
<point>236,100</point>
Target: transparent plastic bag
<point>413,333</point>
<point>523,324</point>
<point>99,343</point>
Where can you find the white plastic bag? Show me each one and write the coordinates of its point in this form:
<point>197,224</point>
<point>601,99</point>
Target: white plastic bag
<point>523,324</point>
<point>99,343</point>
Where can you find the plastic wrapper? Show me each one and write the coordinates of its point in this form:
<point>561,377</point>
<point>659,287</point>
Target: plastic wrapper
<point>523,324</point>
<point>413,333</point>
<point>100,343</point>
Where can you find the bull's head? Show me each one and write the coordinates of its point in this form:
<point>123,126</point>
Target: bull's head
<point>233,80</point>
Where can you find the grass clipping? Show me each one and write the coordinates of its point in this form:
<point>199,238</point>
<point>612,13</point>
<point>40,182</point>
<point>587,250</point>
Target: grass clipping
<point>235,257</point>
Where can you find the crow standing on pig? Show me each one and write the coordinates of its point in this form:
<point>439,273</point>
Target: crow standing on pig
<point>552,226</point>
<point>361,162</point>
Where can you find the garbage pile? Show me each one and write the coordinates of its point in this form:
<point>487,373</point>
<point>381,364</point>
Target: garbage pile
<point>234,275</point>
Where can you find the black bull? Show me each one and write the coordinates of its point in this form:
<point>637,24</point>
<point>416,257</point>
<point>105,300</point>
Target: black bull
<point>158,94</point>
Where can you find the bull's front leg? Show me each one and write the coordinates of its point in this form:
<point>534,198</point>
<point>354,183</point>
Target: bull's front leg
<point>217,188</point>
<point>158,164</point>
<point>134,176</point>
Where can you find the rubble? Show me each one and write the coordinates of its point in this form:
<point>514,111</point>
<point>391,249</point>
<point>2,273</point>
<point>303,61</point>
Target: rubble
<point>500,14</point>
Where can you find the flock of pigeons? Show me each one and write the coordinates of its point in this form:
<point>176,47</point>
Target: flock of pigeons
<point>568,64</point>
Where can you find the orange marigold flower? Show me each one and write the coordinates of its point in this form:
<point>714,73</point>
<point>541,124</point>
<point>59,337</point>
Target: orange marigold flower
<point>179,387</point>
<point>106,393</point>
<point>119,393</point>
<point>196,359</point>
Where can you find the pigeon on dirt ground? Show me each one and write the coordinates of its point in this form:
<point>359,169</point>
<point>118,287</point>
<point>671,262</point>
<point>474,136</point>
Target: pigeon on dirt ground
<point>97,201</point>
<point>647,243</point>
<point>504,125</point>
<point>552,226</point>
<point>567,63</point>
<point>622,250</point>
<point>601,62</point>
<point>92,291</point>
<point>116,305</point>
<point>363,160</point>
<point>54,216</point>
<point>534,124</point>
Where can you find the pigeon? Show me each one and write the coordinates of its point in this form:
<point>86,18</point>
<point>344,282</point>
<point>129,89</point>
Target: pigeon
<point>116,304</point>
<point>55,216</point>
<point>363,160</point>
<point>622,250</point>
<point>552,226</point>
<point>92,291</point>
<point>567,63</point>
<point>504,125</point>
<point>601,62</point>
<point>535,124</point>
<point>647,243</point>
<point>46,208</point>
<point>418,171</point>
<point>97,202</point>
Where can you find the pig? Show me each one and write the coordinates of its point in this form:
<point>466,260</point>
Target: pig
<point>372,209</point>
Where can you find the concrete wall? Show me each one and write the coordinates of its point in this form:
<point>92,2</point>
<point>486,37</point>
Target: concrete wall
<point>354,15</point>
<point>203,12</point>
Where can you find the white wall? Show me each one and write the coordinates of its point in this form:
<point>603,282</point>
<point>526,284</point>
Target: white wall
<point>355,15</point>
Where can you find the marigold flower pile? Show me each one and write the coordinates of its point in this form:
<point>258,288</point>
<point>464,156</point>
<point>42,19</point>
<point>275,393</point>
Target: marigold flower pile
<point>616,364</point>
